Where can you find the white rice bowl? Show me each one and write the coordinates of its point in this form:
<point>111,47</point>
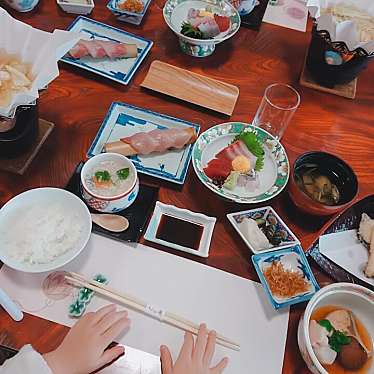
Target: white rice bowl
<point>43,229</point>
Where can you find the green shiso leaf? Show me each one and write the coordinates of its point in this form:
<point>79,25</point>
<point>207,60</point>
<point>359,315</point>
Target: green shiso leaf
<point>338,339</point>
<point>123,173</point>
<point>254,146</point>
<point>326,324</point>
<point>102,176</point>
<point>190,31</point>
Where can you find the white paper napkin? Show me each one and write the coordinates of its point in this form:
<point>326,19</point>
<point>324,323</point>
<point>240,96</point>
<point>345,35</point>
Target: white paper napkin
<point>344,249</point>
<point>39,48</point>
<point>346,31</point>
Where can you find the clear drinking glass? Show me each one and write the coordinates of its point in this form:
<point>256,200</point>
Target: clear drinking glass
<point>277,107</point>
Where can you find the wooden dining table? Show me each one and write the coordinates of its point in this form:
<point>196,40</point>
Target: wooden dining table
<point>77,101</point>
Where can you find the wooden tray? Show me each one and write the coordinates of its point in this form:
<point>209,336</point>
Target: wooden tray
<point>20,164</point>
<point>345,90</point>
<point>194,88</point>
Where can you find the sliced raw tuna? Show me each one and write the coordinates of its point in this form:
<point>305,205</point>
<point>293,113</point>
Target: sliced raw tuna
<point>218,168</point>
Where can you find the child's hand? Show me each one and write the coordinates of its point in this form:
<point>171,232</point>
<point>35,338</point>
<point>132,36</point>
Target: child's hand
<point>83,349</point>
<point>194,358</point>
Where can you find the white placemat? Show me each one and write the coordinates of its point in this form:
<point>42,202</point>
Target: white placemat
<point>234,306</point>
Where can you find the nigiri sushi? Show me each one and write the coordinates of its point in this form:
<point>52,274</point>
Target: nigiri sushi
<point>103,48</point>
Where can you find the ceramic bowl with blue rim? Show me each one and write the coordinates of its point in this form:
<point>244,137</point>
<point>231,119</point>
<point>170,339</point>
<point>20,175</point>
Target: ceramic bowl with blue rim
<point>114,8</point>
<point>278,233</point>
<point>175,14</point>
<point>292,259</point>
<point>94,183</point>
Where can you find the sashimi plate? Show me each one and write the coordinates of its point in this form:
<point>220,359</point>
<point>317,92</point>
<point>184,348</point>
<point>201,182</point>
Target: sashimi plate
<point>120,70</point>
<point>123,120</point>
<point>273,177</point>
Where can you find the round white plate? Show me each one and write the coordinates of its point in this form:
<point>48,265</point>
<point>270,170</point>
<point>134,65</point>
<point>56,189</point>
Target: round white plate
<point>273,177</point>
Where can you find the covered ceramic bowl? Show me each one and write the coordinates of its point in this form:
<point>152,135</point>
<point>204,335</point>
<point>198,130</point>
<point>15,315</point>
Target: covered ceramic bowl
<point>176,14</point>
<point>109,182</point>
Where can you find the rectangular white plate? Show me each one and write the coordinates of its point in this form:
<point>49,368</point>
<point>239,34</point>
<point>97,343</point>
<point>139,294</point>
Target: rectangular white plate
<point>121,69</point>
<point>187,215</point>
<point>235,218</point>
<point>345,250</point>
<point>124,120</point>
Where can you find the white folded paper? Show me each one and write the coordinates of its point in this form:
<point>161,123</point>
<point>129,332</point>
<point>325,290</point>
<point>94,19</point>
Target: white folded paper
<point>39,48</point>
<point>346,31</point>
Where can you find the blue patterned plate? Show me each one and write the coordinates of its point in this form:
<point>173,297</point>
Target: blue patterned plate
<point>124,120</point>
<point>120,70</point>
<point>269,214</point>
<point>292,259</point>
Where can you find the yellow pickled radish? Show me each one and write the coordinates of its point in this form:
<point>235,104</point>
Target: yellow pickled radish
<point>241,164</point>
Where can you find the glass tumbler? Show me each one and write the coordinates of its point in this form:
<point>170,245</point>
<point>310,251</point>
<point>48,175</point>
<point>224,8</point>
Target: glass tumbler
<point>277,107</point>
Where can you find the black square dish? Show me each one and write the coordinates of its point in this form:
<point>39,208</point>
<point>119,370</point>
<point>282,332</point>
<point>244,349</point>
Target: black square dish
<point>137,214</point>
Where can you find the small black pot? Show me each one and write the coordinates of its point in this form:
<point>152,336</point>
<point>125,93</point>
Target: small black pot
<point>331,75</point>
<point>23,135</point>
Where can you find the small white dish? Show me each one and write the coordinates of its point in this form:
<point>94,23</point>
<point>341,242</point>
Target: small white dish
<point>185,215</point>
<point>43,198</point>
<point>127,16</point>
<point>289,238</point>
<point>76,6</point>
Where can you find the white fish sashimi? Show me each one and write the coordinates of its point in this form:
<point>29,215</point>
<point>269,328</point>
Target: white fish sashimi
<point>256,238</point>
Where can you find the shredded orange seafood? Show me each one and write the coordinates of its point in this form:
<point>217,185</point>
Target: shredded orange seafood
<point>135,6</point>
<point>285,283</point>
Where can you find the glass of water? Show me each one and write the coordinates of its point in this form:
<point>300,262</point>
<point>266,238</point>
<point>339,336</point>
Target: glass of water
<point>277,107</point>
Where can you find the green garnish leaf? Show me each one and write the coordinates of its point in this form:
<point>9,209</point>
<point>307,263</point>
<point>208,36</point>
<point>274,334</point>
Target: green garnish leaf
<point>326,324</point>
<point>191,31</point>
<point>254,146</point>
<point>338,339</point>
<point>102,176</point>
<point>123,173</point>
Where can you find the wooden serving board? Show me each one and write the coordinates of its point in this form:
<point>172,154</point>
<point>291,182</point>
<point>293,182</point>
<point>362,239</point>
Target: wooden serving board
<point>345,90</point>
<point>194,88</point>
<point>20,164</point>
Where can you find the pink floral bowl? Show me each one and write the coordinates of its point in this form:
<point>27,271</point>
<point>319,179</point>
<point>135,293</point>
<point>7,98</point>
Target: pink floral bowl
<point>109,204</point>
<point>358,299</point>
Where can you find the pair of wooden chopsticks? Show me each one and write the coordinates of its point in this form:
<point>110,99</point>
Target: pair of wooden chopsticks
<point>141,306</point>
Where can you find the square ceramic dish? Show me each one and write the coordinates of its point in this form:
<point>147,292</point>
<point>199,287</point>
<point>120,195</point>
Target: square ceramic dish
<point>126,16</point>
<point>76,6</point>
<point>288,237</point>
<point>120,70</point>
<point>184,215</point>
<point>124,120</point>
<point>292,259</point>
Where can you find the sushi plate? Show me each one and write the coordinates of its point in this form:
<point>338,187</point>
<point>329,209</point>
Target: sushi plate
<point>273,177</point>
<point>120,70</point>
<point>123,120</point>
<point>270,215</point>
<point>292,259</point>
<point>338,251</point>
